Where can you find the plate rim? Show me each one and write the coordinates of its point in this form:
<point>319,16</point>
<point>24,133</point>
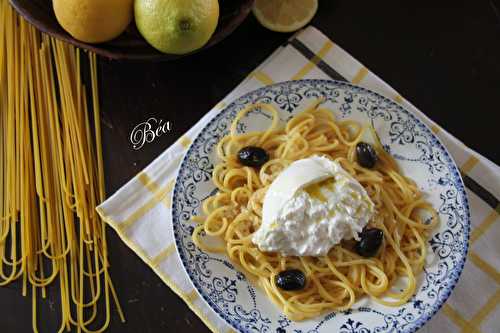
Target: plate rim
<point>455,169</point>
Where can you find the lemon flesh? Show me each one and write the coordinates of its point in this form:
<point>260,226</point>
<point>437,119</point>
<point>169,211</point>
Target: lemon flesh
<point>94,21</point>
<point>177,26</point>
<point>285,15</point>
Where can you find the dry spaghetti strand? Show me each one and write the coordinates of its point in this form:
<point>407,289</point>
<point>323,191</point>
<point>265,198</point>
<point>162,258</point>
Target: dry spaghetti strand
<point>51,176</point>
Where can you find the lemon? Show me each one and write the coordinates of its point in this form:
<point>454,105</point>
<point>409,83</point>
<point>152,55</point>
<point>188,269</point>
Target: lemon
<point>94,21</point>
<point>285,15</point>
<point>177,26</point>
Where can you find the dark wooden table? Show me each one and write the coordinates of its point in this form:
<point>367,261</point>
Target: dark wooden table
<point>441,55</point>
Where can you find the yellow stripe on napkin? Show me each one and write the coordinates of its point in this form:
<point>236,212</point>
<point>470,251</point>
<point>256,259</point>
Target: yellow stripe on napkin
<point>159,195</point>
<point>192,296</point>
<point>153,187</point>
<point>490,305</point>
<point>458,319</point>
<point>262,77</point>
<point>220,105</point>
<point>362,73</point>
<point>483,227</point>
<point>185,141</point>
<point>469,164</point>
<point>435,129</point>
<point>164,254</point>
<point>314,61</point>
<point>484,266</point>
<point>398,99</point>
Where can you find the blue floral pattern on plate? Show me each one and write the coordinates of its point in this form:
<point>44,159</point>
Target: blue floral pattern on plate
<point>421,156</point>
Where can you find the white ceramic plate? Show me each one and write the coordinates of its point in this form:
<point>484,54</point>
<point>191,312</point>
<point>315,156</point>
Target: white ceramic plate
<point>420,154</point>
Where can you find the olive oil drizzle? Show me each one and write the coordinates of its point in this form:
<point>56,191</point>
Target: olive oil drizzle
<point>314,190</point>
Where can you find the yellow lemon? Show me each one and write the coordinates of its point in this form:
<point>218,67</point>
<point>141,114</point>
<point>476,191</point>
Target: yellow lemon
<point>177,26</point>
<point>285,15</point>
<point>94,21</point>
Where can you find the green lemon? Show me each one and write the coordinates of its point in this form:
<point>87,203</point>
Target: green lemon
<point>177,26</point>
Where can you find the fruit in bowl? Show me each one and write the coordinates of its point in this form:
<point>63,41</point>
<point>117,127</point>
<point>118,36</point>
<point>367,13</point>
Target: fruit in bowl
<point>94,21</point>
<point>173,27</point>
<point>170,26</point>
<point>176,26</point>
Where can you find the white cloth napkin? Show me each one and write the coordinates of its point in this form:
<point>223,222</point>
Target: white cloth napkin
<point>140,210</point>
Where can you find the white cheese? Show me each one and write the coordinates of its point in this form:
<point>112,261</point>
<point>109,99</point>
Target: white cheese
<point>310,207</point>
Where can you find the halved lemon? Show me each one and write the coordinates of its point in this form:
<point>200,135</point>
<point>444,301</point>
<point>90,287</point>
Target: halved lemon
<point>285,15</point>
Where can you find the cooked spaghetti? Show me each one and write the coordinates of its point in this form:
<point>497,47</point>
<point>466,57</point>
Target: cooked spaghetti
<point>337,280</point>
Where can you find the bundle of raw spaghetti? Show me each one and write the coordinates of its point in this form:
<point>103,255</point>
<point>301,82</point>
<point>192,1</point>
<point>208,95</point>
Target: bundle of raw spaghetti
<point>51,176</point>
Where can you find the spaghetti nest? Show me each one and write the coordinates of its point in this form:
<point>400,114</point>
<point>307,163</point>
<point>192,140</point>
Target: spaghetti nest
<point>335,281</point>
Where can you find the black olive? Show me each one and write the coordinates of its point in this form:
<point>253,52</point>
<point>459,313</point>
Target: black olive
<point>291,280</point>
<point>366,155</point>
<point>253,156</point>
<point>370,242</point>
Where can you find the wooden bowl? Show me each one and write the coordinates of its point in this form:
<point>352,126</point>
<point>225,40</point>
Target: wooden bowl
<point>130,45</point>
